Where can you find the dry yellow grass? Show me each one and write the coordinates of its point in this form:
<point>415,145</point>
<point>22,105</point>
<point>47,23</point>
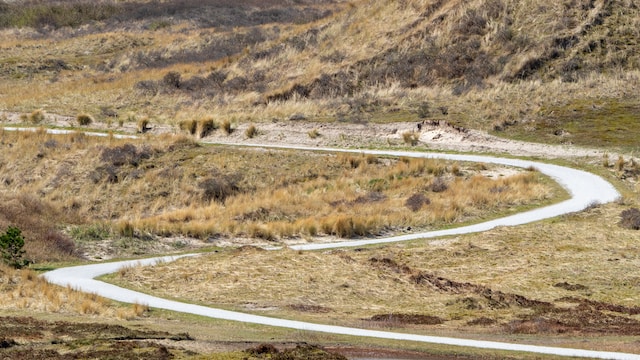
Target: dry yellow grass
<point>350,39</point>
<point>377,193</point>
<point>25,290</point>
<point>273,195</point>
<point>538,262</point>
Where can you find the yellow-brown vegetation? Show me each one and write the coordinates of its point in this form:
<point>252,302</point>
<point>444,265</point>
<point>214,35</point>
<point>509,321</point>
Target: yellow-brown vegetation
<point>173,186</point>
<point>25,290</point>
<point>497,275</point>
<point>472,62</point>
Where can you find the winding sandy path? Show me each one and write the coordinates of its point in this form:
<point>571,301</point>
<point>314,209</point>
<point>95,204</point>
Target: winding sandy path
<point>585,189</point>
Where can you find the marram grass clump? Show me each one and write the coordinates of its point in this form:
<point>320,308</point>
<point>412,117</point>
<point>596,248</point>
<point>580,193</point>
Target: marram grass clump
<point>84,119</point>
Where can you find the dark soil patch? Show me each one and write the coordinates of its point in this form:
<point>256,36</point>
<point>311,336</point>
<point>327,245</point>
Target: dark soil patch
<point>301,351</point>
<point>310,308</point>
<point>390,264</point>
<point>587,317</point>
<point>482,321</point>
<point>496,299</point>
<point>380,353</point>
<point>602,306</point>
<point>575,321</point>
<point>570,287</point>
<point>28,338</point>
<point>414,319</point>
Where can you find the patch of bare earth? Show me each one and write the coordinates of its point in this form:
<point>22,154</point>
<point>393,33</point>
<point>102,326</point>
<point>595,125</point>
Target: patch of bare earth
<point>30,338</point>
<point>434,135</point>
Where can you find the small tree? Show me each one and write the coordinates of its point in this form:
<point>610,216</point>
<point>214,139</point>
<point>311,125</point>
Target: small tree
<point>11,243</point>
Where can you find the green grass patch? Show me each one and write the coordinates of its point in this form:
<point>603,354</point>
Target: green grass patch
<point>605,123</point>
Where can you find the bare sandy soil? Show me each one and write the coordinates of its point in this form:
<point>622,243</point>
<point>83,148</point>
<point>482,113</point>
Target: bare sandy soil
<point>436,136</point>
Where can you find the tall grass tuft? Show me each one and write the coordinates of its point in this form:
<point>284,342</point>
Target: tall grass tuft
<point>126,229</point>
<point>343,227</point>
<point>84,119</point>
<point>411,138</point>
<point>37,116</point>
<point>313,134</point>
<point>143,125</point>
<point>226,127</point>
<point>619,166</point>
<point>189,126</point>
<point>251,131</point>
<point>205,127</point>
<point>605,160</point>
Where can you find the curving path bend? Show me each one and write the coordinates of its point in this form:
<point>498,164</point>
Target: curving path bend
<point>585,189</point>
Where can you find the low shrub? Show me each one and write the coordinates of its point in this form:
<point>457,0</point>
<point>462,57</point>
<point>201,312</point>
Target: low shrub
<point>438,185</point>
<point>59,241</point>
<point>218,188</point>
<point>172,79</point>
<point>630,219</point>
<point>416,201</point>
<point>424,110</point>
<point>127,154</point>
<point>37,218</point>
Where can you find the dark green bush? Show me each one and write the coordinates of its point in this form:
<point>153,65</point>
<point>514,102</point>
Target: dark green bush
<point>11,244</point>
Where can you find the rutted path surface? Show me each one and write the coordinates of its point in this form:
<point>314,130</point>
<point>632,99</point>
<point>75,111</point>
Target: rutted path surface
<point>585,189</point>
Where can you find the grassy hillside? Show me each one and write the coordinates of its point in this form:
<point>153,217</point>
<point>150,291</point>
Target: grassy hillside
<point>523,69</point>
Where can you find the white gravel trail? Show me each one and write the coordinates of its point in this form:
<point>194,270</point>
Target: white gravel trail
<point>585,189</point>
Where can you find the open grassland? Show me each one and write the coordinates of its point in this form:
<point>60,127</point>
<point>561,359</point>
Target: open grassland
<point>44,321</point>
<point>573,276</point>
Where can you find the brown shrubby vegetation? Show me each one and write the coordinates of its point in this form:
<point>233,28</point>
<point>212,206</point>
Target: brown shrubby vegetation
<point>630,219</point>
<point>37,219</point>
